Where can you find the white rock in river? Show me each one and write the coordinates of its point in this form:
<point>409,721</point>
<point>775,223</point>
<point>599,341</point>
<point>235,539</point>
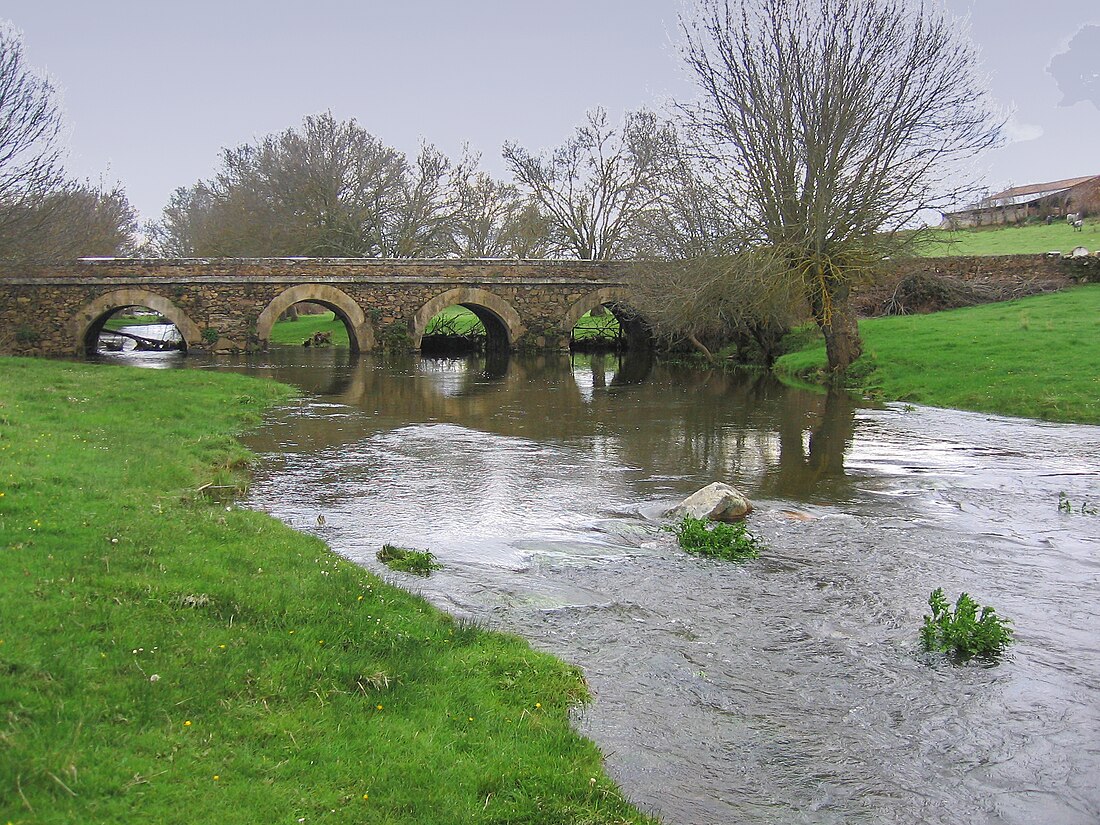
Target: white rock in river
<point>717,501</point>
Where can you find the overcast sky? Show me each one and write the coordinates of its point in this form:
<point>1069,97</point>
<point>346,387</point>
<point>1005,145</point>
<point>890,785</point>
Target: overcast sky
<point>152,90</point>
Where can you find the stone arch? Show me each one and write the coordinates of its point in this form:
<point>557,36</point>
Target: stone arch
<point>88,322</point>
<point>360,334</point>
<point>638,334</point>
<point>502,322</point>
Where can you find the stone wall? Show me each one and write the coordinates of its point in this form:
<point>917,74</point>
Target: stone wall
<point>975,279</point>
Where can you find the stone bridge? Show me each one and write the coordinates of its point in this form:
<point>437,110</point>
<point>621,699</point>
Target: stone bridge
<point>231,304</point>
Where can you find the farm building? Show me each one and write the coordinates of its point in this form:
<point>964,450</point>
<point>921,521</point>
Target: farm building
<point>1037,200</point>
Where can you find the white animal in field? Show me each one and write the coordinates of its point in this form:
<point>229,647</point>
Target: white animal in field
<point>1073,217</point>
<point>1078,225</point>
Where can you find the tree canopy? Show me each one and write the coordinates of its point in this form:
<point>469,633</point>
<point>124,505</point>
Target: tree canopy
<point>331,189</point>
<point>836,123</point>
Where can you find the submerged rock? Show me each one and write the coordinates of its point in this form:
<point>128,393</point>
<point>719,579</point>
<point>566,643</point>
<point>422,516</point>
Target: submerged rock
<point>717,501</point>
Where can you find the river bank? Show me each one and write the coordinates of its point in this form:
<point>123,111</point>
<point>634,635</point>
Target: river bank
<point>1035,357</point>
<point>170,657</point>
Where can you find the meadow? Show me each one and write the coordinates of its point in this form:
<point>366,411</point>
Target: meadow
<point>1036,357</point>
<point>170,657</point>
<point>1024,239</point>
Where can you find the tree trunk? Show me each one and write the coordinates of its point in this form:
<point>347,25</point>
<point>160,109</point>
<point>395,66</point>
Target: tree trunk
<point>842,342</point>
<point>836,319</point>
<point>699,345</point>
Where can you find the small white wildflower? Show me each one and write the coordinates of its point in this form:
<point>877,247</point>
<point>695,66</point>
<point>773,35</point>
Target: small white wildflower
<point>155,677</point>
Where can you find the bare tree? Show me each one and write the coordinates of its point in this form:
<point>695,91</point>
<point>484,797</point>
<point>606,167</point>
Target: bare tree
<point>71,221</point>
<point>527,232</point>
<point>185,225</point>
<point>327,189</point>
<point>485,207</point>
<point>429,205</point>
<point>740,297</point>
<point>30,128</point>
<point>594,186</point>
<point>694,215</point>
<point>838,122</point>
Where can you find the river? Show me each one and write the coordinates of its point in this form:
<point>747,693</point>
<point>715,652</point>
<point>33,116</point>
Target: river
<point>789,689</point>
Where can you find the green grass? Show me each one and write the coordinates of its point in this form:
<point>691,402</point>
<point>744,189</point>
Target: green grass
<point>167,658</point>
<point>123,321</point>
<point>604,327</point>
<point>1036,357</point>
<point>295,332</point>
<point>455,320</point>
<point>1027,239</point>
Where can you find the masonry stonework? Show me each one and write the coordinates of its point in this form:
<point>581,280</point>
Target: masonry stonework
<point>231,304</point>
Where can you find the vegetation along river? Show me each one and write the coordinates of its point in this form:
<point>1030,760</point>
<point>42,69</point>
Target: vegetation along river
<point>788,689</point>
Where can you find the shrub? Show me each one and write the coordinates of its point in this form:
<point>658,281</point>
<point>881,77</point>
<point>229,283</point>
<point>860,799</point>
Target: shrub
<point>716,540</point>
<point>418,562</point>
<point>26,335</point>
<point>963,632</point>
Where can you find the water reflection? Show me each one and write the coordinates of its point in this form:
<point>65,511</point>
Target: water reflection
<point>785,690</point>
<point>779,441</point>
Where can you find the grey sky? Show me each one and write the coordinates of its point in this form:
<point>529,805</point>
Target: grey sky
<point>153,90</point>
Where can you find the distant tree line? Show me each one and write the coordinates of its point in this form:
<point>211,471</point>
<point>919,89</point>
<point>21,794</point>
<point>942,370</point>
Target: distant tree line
<point>821,130</point>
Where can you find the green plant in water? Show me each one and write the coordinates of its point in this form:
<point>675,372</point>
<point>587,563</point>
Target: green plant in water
<point>716,540</point>
<point>965,632</point>
<point>418,562</point>
<point>1084,508</point>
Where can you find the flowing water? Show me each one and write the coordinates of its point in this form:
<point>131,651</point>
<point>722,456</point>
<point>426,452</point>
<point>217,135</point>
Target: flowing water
<point>790,689</point>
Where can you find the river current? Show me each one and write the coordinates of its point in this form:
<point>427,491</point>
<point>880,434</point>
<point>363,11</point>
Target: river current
<point>789,689</point>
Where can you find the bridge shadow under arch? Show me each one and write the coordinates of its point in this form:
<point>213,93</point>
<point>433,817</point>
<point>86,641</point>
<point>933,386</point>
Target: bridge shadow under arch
<point>635,329</point>
<point>501,321</point>
<point>88,322</point>
<point>343,306</point>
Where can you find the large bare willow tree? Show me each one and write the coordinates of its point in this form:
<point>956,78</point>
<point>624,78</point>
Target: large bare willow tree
<point>838,122</point>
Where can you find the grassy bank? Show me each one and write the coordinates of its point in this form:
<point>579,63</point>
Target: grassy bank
<point>1026,239</point>
<point>455,319</point>
<point>1036,357</point>
<point>169,658</point>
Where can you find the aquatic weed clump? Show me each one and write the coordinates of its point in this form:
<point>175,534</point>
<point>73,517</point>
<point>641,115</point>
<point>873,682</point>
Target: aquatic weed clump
<point>964,632</point>
<point>716,540</point>
<point>418,562</point>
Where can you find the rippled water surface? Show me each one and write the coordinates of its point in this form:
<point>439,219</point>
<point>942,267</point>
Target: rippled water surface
<point>790,689</point>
